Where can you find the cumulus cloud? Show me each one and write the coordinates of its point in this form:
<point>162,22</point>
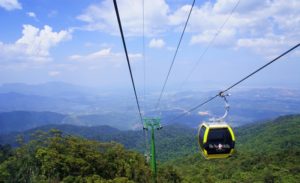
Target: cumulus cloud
<point>209,35</point>
<point>258,25</point>
<point>34,45</point>
<point>31,14</point>
<point>203,113</point>
<point>180,15</point>
<point>270,45</point>
<point>102,17</point>
<point>156,43</point>
<point>10,4</point>
<point>105,55</point>
<point>135,56</point>
<point>251,21</point>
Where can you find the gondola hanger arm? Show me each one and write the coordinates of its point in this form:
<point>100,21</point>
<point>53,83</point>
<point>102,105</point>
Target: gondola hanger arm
<point>223,95</point>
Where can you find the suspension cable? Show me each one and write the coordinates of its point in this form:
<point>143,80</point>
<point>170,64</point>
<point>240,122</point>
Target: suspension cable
<point>208,46</point>
<point>127,58</point>
<point>174,57</point>
<point>144,56</point>
<point>147,150</point>
<point>235,84</point>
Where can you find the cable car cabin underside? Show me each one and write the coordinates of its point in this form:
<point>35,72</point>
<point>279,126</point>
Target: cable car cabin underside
<point>216,140</point>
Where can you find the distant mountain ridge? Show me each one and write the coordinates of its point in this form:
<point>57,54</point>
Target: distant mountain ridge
<point>18,121</point>
<point>24,120</point>
<point>28,102</point>
<point>91,107</point>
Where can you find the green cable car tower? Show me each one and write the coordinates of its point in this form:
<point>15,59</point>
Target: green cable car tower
<point>152,124</point>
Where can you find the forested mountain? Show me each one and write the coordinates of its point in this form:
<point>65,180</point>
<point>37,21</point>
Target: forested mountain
<point>265,152</point>
<point>52,157</point>
<point>268,152</point>
<point>178,139</point>
<point>82,131</point>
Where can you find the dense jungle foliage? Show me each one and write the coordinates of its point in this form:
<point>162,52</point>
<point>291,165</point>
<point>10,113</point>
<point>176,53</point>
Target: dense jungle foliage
<point>265,152</point>
<point>52,157</point>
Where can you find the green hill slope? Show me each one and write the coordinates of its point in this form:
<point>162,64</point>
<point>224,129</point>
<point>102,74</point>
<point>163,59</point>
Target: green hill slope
<point>268,152</point>
<point>265,152</point>
<point>273,136</point>
<point>175,141</point>
<point>172,141</point>
<point>52,157</point>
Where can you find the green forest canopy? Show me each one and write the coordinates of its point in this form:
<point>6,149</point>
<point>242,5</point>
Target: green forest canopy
<point>265,152</point>
<point>52,157</point>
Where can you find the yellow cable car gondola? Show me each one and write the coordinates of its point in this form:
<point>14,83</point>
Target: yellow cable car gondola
<point>216,138</point>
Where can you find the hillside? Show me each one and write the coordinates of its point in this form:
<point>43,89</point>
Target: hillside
<point>52,157</point>
<point>81,131</point>
<point>268,152</point>
<point>179,140</point>
<point>272,136</point>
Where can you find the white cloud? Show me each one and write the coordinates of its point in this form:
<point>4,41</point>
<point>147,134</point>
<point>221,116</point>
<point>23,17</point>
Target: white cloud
<point>135,56</point>
<point>10,4</point>
<point>203,113</point>
<point>53,73</point>
<point>102,17</point>
<point>269,46</point>
<point>180,15</point>
<point>252,20</point>
<point>257,25</point>
<point>34,45</point>
<point>157,43</point>
<point>31,14</point>
<point>225,6</point>
<point>105,55</point>
<point>228,36</point>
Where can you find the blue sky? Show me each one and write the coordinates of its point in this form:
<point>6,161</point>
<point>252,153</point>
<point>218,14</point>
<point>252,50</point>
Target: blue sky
<point>78,42</point>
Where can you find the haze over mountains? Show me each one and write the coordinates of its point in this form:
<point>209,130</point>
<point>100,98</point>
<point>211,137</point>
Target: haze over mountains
<point>108,117</point>
<point>25,106</point>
